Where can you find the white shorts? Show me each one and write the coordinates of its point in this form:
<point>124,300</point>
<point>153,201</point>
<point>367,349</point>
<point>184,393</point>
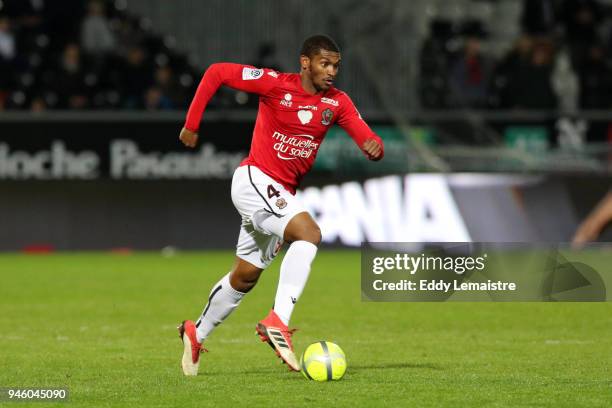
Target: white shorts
<point>266,208</point>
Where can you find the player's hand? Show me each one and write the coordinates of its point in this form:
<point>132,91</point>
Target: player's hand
<point>372,149</point>
<point>189,138</point>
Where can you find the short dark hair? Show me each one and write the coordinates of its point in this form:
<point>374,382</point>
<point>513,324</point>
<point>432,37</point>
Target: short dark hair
<point>313,45</point>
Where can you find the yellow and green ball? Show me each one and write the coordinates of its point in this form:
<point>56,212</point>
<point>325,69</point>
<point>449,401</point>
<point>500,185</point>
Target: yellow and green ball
<point>323,361</point>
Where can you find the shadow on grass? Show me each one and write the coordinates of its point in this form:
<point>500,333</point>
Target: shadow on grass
<point>352,368</point>
<point>386,366</point>
<point>238,371</point>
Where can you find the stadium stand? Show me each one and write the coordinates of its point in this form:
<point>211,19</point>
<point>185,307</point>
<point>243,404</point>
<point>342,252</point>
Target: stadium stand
<point>98,57</point>
<point>448,54</point>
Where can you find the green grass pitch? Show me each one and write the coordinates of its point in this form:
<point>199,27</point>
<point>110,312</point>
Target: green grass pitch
<point>105,327</point>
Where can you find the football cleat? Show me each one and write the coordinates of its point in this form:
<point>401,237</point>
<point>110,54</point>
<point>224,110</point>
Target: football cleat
<point>274,332</point>
<point>191,348</point>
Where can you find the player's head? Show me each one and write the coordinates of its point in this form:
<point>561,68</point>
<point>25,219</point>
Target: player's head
<point>320,61</point>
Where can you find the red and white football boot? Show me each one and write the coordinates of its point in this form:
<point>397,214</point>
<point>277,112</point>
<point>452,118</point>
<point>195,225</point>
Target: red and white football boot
<point>191,348</point>
<point>273,331</point>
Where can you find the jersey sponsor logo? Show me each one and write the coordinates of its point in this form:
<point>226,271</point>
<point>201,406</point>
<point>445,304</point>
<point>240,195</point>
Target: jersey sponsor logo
<point>311,107</point>
<point>286,101</point>
<point>294,147</point>
<point>330,101</point>
<point>273,74</point>
<point>327,116</point>
<point>251,73</point>
<point>305,116</point>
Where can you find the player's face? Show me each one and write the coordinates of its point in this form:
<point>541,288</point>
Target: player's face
<point>323,69</point>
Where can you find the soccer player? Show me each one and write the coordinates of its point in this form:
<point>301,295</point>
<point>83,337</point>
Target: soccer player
<point>295,113</point>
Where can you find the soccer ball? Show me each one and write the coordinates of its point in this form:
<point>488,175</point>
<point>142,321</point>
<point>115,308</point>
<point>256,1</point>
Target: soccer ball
<point>323,361</point>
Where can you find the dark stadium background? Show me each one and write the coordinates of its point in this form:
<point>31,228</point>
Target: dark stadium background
<point>506,101</point>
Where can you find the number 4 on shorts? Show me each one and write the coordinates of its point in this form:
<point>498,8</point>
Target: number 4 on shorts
<point>272,192</point>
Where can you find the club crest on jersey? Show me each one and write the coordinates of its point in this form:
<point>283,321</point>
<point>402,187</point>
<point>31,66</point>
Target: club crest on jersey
<point>327,117</point>
<point>286,101</point>
<point>251,73</point>
<point>281,203</point>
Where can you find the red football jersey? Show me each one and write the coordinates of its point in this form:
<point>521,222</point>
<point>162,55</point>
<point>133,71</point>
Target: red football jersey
<point>291,123</point>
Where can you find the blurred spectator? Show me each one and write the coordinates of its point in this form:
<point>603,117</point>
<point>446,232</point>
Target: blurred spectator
<point>508,70</point>
<point>7,55</point>
<point>519,56</point>
<point>128,35</point>
<point>565,83</point>
<point>539,17</point>
<point>595,80</point>
<point>435,55</point>
<point>7,40</point>
<point>529,84</point>
<point>96,36</point>
<point>135,78</point>
<point>38,104</point>
<point>27,18</point>
<point>581,19</point>
<point>470,75</point>
<point>535,84</point>
<point>169,86</point>
<point>154,99</point>
<point>68,82</point>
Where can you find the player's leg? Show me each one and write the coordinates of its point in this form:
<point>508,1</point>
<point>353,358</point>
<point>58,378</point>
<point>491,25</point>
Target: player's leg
<point>244,275</point>
<point>272,209</point>
<point>224,297</point>
<point>252,257</point>
<point>304,235</point>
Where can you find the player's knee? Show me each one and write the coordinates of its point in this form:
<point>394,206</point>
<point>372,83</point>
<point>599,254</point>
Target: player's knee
<point>244,279</point>
<point>247,285</point>
<point>315,235</point>
<point>303,228</point>
<point>243,283</point>
<point>311,233</point>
